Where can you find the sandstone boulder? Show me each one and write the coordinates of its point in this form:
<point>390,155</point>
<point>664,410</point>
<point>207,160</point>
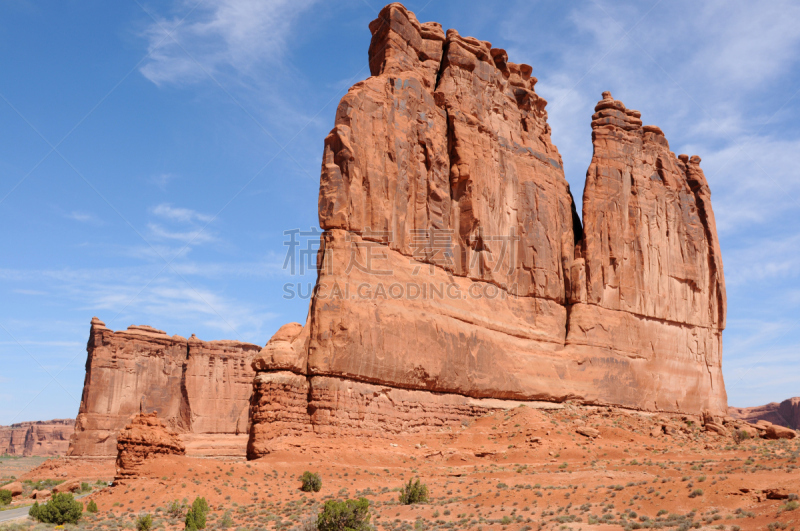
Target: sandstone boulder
<point>287,350</point>
<point>779,432</point>
<point>72,485</point>
<point>588,432</point>
<point>15,487</point>
<point>716,428</point>
<point>40,494</point>
<point>146,436</point>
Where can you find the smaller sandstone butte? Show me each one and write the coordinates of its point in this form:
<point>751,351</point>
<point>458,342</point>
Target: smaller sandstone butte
<point>39,438</point>
<point>786,413</point>
<point>200,389</point>
<point>146,436</point>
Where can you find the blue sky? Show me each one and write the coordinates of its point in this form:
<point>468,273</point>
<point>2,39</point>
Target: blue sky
<point>153,153</point>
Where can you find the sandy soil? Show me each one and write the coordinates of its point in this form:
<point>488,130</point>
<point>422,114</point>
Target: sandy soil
<point>511,470</point>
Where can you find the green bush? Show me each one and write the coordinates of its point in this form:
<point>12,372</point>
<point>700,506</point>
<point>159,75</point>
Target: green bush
<point>5,496</point>
<point>144,522</point>
<point>414,492</point>
<point>33,512</point>
<point>91,507</point>
<point>311,482</point>
<point>61,509</point>
<point>348,515</point>
<point>198,513</point>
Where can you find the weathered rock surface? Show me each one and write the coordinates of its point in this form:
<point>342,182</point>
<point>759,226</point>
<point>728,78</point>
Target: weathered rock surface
<point>145,437</point>
<point>779,432</point>
<point>45,438</point>
<point>15,487</point>
<point>453,260</point>
<point>199,389</point>
<point>786,413</point>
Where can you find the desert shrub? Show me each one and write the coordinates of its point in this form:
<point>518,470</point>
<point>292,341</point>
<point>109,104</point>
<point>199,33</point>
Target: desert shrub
<point>311,482</point>
<point>91,507</point>
<point>5,496</point>
<point>85,487</point>
<point>695,493</point>
<point>414,492</point>
<point>144,522</point>
<point>226,520</point>
<point>790,505</point>
<point>61,509</point>
<point>175,509</point>
<point>740,436</point>
<point>348,515</point>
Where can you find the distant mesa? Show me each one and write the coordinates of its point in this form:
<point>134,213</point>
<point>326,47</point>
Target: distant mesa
<point>40,438</point>
<point>786,413</point>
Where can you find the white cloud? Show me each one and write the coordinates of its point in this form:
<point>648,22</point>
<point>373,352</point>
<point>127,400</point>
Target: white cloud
<point>745,44</point>
<point>184,215</point>
<point>193,227</point>
<point>753,181</point>
<point>196,237</point>
<point>84,217</point>
<point>163,179</point>
<point>219,35</point>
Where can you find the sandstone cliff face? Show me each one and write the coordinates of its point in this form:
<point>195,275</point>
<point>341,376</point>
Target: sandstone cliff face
<point>453,260</point>
<point>145,437</point>
<point>786,413</point>
<point>199,389</point>
<point>647,283</point>
<point>40,438</point>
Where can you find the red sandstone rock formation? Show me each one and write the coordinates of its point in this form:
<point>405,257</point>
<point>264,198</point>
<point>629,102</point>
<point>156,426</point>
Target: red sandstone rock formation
<point>454,265</point>
<point>786,413</point>
<point>647,282</point>
<point>200,389</point>
<point>40,438</point>
<point>146,436</point>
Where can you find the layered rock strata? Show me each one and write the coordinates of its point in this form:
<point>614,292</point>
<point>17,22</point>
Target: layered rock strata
<point>199,389</point>
<point>454,266</point>
<point>39,438</point>
<point>145,437</point>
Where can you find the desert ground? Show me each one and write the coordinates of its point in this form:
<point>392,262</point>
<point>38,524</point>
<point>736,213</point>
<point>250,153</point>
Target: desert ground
<point>523,468</point>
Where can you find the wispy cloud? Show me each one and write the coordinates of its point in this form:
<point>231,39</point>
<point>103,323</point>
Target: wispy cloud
<point>184,215</point>
<point>162,180</point>
<point>195,237</point>
<point>84,217</point>
<point>219,35</point>
<point>193,225</point>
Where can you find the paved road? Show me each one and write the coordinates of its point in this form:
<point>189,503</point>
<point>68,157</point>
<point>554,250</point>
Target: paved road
<point>11,514</point>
